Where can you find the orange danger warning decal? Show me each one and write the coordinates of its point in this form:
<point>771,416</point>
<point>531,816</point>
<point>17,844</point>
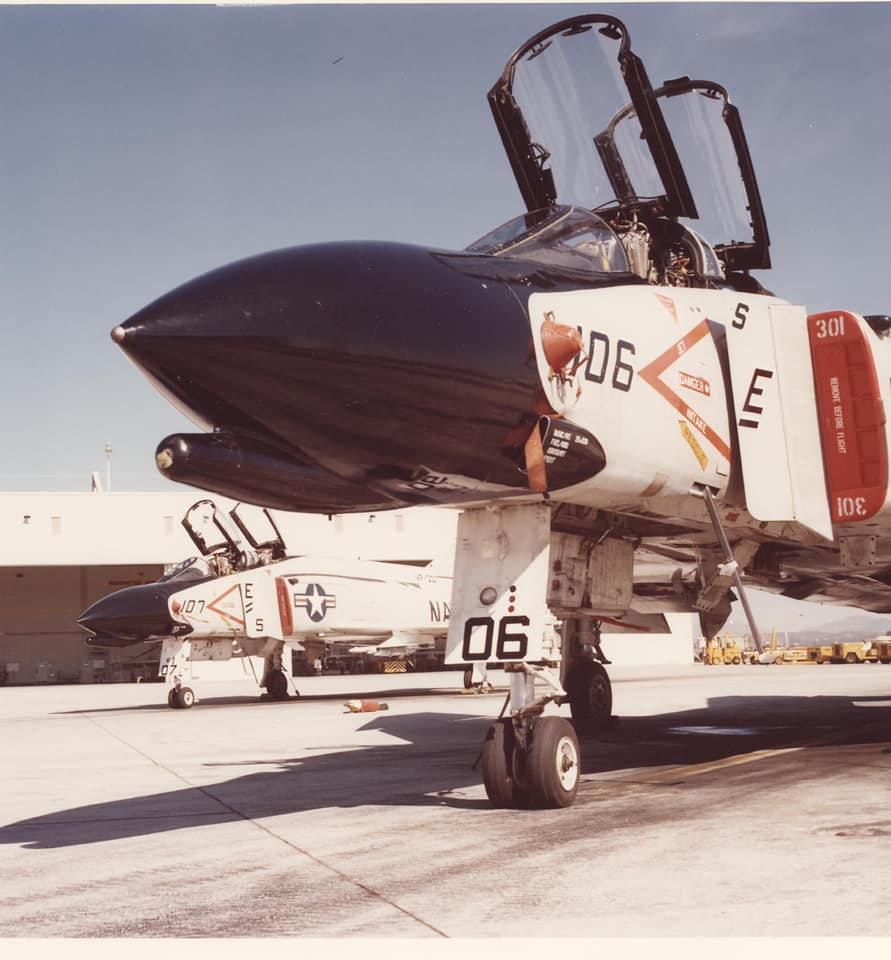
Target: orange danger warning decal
<point>226,607</point>
<point>852,416</point>
<point>653,375</point>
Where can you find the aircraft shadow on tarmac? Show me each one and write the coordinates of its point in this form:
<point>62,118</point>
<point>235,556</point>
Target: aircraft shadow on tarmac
<point>434,762</point>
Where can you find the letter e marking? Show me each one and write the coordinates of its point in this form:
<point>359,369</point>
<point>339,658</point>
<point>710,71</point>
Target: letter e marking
<point>754,391</point>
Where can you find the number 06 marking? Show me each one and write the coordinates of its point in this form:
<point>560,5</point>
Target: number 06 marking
<point>509,646</point>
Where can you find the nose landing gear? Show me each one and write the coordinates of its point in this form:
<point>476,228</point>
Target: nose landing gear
<point>538,769</point>
<point>174,654</point>
<point>529,760</point>
<point>181,698</point>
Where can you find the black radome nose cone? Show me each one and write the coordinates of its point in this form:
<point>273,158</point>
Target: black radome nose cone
<point>368,360</point>
<point>134,613</point>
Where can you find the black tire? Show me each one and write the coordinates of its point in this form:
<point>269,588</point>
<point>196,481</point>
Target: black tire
<point>185,698</point>
<point>851,657</point>
<point>553,766</point>
<point>736,660</point>
<point>590,693</point>
<point>277,685</point>
<point>468,678</point>
<point>498,766</point>
<point>171,698</point>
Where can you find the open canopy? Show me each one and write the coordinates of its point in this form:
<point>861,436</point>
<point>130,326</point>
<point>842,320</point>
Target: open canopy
<point>582,125</point>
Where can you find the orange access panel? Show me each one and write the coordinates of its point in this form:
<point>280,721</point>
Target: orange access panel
<point>852,416</point>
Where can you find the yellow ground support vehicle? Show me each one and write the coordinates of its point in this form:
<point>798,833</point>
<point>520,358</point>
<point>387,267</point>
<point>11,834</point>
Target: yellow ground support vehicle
<point>820,654</point>
<point>793,655</point>
<point>881,650</point>
<point>852,653</point>
<point>779,655</point>
<point>771,650</point>
<point>722,650</point>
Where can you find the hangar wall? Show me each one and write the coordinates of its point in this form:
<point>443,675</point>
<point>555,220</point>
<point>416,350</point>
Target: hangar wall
<point>40,641</point>
<point>58,529</point>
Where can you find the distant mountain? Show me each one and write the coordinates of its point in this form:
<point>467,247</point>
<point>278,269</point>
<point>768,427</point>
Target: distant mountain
<point>851,629</point>
<point>846,630</point>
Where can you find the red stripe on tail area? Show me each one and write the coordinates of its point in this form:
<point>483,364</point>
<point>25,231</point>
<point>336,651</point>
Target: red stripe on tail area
<point>284,606</point>
<point>851,414</point>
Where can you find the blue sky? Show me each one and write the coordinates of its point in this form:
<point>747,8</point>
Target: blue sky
<point>144,145</point>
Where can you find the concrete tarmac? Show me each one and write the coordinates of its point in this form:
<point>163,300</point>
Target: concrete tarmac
<point>723,801</point>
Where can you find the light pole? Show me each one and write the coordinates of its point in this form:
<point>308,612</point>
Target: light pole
<point>108,467</point>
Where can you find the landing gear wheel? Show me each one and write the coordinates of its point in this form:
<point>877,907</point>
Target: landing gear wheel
<point>590,693</point>
<point>552,765</point>
<point>171,699</point>
<point>185,698</point>
<point>277,685</point>
<point>468,678</point>
<point>498,766</point>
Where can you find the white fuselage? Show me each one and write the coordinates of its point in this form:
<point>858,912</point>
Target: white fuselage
<point>309,596</point>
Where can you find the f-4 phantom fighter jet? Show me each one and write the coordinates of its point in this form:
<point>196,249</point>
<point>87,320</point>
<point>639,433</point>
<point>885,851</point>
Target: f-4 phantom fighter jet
<point>243,597</point>
<point>627,419</point>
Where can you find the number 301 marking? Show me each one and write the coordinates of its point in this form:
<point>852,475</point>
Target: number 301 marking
<point>850,506</point>
<point>833,327</point>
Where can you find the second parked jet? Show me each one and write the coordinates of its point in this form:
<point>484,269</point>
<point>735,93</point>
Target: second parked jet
<point>244,597</point>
